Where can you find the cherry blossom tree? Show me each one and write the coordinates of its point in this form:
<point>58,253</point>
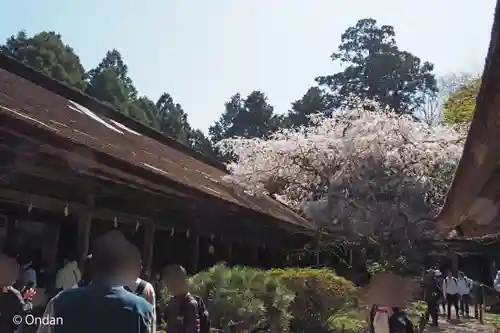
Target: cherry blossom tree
<point>365,170</point>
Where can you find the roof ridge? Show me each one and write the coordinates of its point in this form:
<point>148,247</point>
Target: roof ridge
<point>63,89</point>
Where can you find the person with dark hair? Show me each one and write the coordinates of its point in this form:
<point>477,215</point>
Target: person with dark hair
<point>432,288</point>
<point>389,320</point>
<point>12,303</point>
<point>27,274</point>
<point>465,285</point>
<point>86,273</point>
<point>104,305</point>
<point>185,313</point>
<point>451,292</point>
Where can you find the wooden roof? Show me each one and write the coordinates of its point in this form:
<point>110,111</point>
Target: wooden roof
<point>473,201</point>
<point>31,99</point>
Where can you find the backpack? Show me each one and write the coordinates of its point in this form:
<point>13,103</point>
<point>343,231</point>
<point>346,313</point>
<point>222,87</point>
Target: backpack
<point>203,315</point>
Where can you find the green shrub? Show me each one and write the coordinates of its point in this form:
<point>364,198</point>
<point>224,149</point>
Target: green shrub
<point>243,296</point>
<point>252,298</point>
<point>346,322</point>
<point>318,294</point>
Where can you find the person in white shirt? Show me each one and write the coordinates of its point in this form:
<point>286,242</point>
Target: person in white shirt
<point>496,282</point>
<point>451,292</point>
<point>465,285</point>
<point>68,275</point>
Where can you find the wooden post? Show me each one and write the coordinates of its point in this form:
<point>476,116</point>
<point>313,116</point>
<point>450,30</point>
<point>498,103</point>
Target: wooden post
<point>454,263</point>
<point>84,225</point>
<point>53,233</point>
<point>481,309</point>
<point>255,255</point>
<point>195,234</point>
<point>148,248</point>
<point>476,300</point>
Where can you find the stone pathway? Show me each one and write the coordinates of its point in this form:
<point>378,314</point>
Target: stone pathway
<point>465,325</point>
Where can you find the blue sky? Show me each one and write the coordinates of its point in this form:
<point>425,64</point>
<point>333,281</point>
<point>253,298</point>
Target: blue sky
<point>202,52</point>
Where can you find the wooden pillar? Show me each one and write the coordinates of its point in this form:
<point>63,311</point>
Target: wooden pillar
<point>53,233</point>
<point>195,235</point>
<point>148,248</point>
<point>255,255</point>
<point>84,227</point>
<point>454,263</point>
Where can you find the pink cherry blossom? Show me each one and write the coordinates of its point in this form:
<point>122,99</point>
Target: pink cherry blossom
<point>368,172</point>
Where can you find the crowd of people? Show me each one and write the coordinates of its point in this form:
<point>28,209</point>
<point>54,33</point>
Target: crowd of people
<point>102,294</point>
<point>454,290</point>
<point>440,292</point>
<point>105,293</point>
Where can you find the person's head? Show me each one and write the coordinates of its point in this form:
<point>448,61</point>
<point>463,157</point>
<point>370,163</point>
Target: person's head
<point>110,260</point>
<point>9,270</point>
<point>450,273</point>
<point>175,279</point>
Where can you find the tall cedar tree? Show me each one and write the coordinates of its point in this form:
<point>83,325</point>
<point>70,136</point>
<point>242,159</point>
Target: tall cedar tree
<point>376,69</point>
<point>47,53</point>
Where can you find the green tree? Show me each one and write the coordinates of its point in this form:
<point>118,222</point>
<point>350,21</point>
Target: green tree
<point>313,101</point>
<point>109,82</point>
<point>107,87</point>
<point>113,60</point>
<point>172,119</point>
<point>47,53</point>
<point>200,142</point>
<point>460,105</point>
<point>251,117</point>
<point>376,69</point>
<point>148,110</point>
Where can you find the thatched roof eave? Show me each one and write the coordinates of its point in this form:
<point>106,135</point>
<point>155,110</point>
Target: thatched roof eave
<point>473,201</point>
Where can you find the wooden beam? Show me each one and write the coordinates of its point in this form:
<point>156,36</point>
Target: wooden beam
<point>89,163</point>
<point>85,176</point>
<point>148,248</point>
<point>194,242</point>
<point>56,205</point>
<point>107,184</point>
<point>84,227</point>
<point>102,160</point>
